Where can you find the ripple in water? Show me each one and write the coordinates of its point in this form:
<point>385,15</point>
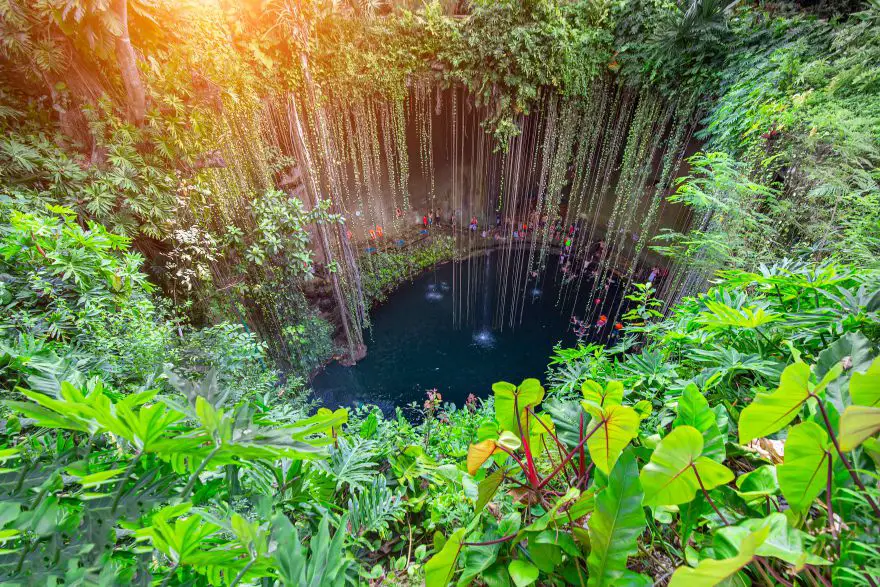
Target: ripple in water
<point>484,338</point>
<point>434,293</point>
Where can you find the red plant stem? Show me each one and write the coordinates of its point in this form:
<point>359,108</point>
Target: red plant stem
<point>570,455</point>
<point>843,459</point>
<point>516,458</point>
<point>770,570</point>
<point>559,445</point>
<point>815,572</point>
<point>709,499</point>
<point>550,432</point>
<point>531,472</point>
<point>828,498</point>
<point>581,452</point>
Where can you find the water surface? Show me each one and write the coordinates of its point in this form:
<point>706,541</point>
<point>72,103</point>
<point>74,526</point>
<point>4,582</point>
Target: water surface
<point>416,345</point>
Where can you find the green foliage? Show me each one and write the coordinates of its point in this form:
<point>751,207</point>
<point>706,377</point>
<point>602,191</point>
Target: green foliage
<point>58,276</point>
<point>616,523</point>
<point>137,447</point>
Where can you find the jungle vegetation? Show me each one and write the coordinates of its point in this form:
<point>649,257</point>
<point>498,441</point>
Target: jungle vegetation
<point>160,250</point>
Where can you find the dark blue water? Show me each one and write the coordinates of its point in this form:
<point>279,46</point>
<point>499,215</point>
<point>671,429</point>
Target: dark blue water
<point>415,345</point>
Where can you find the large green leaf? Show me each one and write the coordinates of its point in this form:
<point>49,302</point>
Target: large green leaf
<point>670,477</point>
<point>852,347</point>
<point>694,410</point>
<point>783,541</point>
<point>475,560</point>
<point>804,471</point>
<point>509,399</point>
<point>487,488</point>
<point>441,566</point>
<point>611,395</point>
<point>523,572</point>
<point>711,572</point>
<point>758,484</point>
<point>864,388</point>
<point>771,412</point>
<point>617,521</point>
<point>566,416</point>
<point>858,424</point>
<point>617,427</point>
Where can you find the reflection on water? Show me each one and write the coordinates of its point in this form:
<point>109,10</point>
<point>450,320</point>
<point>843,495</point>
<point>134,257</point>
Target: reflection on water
<point>428,335</point>
<point>484,338</point>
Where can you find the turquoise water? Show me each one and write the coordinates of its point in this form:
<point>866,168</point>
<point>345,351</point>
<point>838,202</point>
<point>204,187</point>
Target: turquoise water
<point>415,344</point>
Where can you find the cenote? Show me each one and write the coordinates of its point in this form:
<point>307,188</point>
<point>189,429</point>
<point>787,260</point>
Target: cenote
<point>431,335</point>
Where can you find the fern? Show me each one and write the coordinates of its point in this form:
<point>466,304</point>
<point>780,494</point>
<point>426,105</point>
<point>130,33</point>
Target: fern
<point>374,509</point>
<point>350,464</point>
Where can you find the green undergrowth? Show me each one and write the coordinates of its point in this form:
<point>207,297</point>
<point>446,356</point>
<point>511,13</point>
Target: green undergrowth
<point>734,440</point>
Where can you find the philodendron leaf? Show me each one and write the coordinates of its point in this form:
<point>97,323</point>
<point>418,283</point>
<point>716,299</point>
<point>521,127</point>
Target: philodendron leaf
<point>858,424</point>
<point>804,471</point>
<point>616,428</point>
<point>476,560</point>
<point>852,347</point>
<point>694,410</point>
<point>670,478</point>
<point>758,484</point>
<point>771,412</point>
<point>487,488</point>
<point>479,453</point>
<point>617,521</point>
<point>710,572</point>
<point>782,542</point>
<point>864,388</point>
<point>510,399</point>
<point>441,566</point>
<point>523,572</point>
<point>610,396</point>
<point>509,440</point>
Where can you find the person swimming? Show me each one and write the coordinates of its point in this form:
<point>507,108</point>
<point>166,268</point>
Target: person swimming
<point>603,320</point>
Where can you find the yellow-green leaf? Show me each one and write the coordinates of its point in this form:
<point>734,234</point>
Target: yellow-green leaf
<point>864,388</point>
<point>618,426</point>
<point>670,477</point>
<point>611,395</point>
<point>858,424</point>
<point>803,473</point>
<point>769,413</point>
<point>441,566</point>
<point>711,572</point>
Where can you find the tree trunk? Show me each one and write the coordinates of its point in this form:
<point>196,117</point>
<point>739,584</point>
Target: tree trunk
<point>131,77</point>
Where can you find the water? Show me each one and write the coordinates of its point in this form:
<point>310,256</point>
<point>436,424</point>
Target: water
<point>414,345</point>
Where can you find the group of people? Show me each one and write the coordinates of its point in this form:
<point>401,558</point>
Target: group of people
<point>432,217</point>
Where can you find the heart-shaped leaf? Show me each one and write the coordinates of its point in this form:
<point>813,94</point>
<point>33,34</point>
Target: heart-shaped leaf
<point>693,410</point>
<point>804,471</point>
<point>439,569</point>
<point>864,388</point>
<point>616,428</point>
<point>712,572</point>
<point>858,424</point>
<point>610,396</point>
<point>771,412</point>
<point>671,476</point>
